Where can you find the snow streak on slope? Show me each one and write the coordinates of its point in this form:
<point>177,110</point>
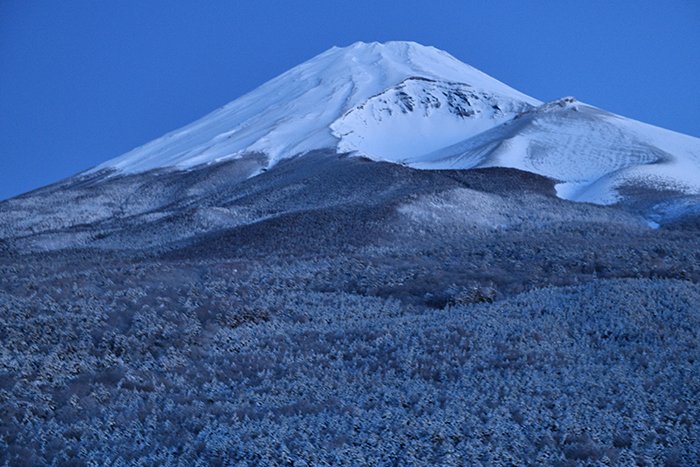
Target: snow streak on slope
<point>293,113</point>
<point>590,152</point>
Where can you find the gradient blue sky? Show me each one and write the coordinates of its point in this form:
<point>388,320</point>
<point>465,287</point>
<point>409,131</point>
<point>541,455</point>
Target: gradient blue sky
<point>83,81</point>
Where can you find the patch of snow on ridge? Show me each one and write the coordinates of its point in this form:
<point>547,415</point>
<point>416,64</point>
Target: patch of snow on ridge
<point>421,115</point>
<point>292,113</point>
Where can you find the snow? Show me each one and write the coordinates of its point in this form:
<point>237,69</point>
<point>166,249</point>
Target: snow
<point>420,116</point>
<point>590,152</point>
<point>293,113</point>
<point>411,104</point>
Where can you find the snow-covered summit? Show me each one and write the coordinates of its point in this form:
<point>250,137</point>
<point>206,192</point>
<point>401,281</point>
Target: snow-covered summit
<point>334,101</point>
<point>407,103</point>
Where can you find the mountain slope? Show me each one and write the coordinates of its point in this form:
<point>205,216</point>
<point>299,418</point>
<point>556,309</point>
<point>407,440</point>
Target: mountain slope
<point>592,153</point>
<point>420,115</point>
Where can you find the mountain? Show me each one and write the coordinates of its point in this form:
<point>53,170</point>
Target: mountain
<point>382,256</point>
<point>400,103</point>
<point>407,103</point>
<point>361,97</point>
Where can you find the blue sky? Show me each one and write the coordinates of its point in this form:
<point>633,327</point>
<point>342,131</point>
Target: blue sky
<point>83,81</point>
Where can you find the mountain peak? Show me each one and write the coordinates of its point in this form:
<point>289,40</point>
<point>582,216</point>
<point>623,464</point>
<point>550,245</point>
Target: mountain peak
<point>397,46</point>
<point>407,103</point>
<point>296,111</point>
<point>394,48</point>
<point>394,61</point>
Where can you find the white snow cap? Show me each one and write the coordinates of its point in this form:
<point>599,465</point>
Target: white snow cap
<point>407,103</point>
<point>293,113</point>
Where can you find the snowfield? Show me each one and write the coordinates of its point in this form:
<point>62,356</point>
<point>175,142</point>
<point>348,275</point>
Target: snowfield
<point>419,116</point>
<point>589,151</point>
